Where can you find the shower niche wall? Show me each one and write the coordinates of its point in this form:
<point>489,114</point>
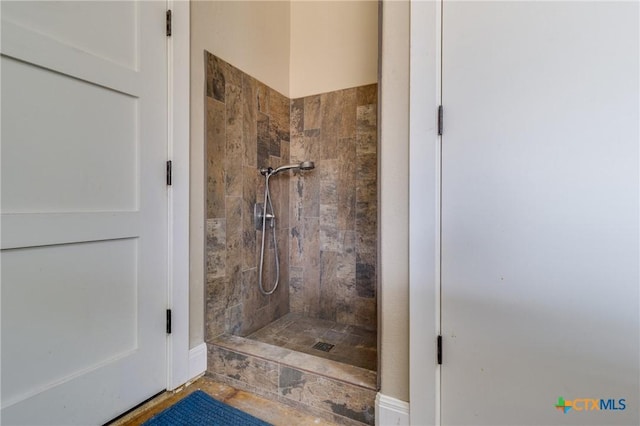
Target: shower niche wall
<point>276,345</point>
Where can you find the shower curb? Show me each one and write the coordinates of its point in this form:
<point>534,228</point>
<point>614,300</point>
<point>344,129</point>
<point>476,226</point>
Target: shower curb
<point>338,392</point>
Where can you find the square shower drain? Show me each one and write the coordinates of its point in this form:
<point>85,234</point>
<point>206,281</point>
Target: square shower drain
<point>322,346</point>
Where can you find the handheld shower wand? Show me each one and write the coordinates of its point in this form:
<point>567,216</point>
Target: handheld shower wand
<point>268,172</point>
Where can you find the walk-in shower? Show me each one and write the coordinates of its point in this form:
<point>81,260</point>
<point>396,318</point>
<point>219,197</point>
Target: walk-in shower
<point>316,334</point>
<point>262,215</point>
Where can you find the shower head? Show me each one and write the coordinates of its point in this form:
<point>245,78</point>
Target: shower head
<point>305,165</point>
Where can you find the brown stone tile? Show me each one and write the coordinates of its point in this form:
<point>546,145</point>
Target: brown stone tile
<point>366,227</point>
<point>297,117</point>
<point>312,112</point>
<point>244,368</point>
<point>262,97</point>
<point>331,110</point>
<point>233,319</point>
<point>366,169</point>
<point>366,311</point>
<point>331,239</point>
<point>295,335</point>
<point>280,125</point>
<point>233,75</point>
<point>215,303</point>
<point>312,266</point>
<point>208,74</point>
<point>346,184</point>
<point>366,274</point>
<point>216,135</point>
<point>345,311</point>
<point>275,133</point>
<point>285,152</point>
<point>282,293</point>
<point>249,184</point>
<point>279,190</point>
<point>285,205</point>
<point>250,121</point>
<point>234,249</point>
<point>264,140</point>
<point>308,186</point>
<point>367,119</point>
<point>367,94</point>
<point>329,216</point>
<point>328,284</point>
<point>215,78</point>
<point>252,299</point>
<point>214,318</point>
<point>317,391</point>
<point>366,140</point>
<point>234,152</point>
<point>366,192</point>
<point>346,272</point>
<point>297,152</point>
<point>311,145</point>
<point>296,245</point>
<point>328,173</point>
<point>216,247</point>
<point>348,115</point>
<point>296,290</point>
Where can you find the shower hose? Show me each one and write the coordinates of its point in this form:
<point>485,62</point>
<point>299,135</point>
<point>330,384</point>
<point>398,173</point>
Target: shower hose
<point>265,216</point>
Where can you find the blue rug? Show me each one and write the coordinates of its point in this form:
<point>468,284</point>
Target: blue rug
<point>200,409</point>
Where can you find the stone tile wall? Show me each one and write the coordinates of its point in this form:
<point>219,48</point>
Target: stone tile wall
<point>333,218</point>
<point>247,127</point>
<point>326,217</point>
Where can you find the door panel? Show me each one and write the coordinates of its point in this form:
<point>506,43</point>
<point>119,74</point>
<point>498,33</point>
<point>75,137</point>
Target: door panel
<point>84,209</point>
<point>540,213</point>
<point>88,121</point>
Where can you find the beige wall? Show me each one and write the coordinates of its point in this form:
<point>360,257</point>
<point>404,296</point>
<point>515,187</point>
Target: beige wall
<point>394,200</point>
<point>334,45</point>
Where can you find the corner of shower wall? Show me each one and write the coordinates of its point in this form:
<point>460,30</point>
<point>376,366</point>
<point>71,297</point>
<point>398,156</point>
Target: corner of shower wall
<point>327,241</point>
<point>247,127</point>
<point>333,258</point>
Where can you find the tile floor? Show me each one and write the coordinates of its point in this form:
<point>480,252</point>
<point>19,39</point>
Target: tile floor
<point>352,345</point>
<point>272,412</point>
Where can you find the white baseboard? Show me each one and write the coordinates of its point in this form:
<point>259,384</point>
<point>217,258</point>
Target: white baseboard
<point>197,360</point>
<point>391,411</point>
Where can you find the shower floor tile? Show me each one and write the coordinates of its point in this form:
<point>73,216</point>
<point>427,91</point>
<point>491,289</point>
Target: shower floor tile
<point>352,345</point>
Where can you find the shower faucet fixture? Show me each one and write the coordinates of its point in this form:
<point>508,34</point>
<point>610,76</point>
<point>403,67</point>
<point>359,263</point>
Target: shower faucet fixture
<point>305,165</point>
<point>264,212</point>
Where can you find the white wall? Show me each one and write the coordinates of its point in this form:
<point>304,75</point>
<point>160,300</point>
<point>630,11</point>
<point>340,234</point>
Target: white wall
<point>394,200</point>
<point>424,211</point>
<point>334,45</point>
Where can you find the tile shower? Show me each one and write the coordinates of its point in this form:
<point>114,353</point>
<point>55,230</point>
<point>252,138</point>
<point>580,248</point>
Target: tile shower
<point>326,232</point>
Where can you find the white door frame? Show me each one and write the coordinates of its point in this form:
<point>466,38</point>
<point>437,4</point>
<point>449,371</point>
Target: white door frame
<point>424,211</point>
<point>178,371</point>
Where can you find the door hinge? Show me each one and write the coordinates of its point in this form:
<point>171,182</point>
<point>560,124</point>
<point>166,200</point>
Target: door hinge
<point>169,23</point>
<point>168,321</point>
<point>169,172</point>
<point>439,352</point>
<point>440,120</point>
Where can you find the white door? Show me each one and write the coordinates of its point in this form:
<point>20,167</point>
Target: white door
<point>540,189</point>
<point>84,209</point>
